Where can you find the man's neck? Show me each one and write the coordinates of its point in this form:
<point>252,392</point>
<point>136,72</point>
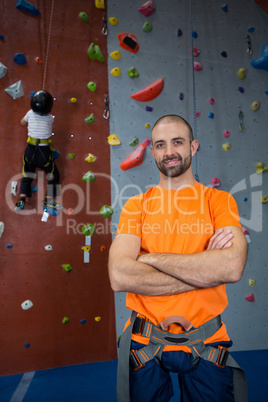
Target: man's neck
<point>175,183</point>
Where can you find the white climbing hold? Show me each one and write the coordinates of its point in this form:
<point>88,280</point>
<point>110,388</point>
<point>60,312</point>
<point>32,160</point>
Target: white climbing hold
<point>26,304</point>
<point>2,227</point>
<point>48,247</point>
<point>14,187</point>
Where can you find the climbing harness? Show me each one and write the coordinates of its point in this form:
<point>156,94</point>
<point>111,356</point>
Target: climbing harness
<point>48,43</point>
<point>158,338</point>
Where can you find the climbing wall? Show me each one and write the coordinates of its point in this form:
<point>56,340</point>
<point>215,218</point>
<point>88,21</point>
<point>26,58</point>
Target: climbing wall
<point>224,99</point>
<point>72,319</point>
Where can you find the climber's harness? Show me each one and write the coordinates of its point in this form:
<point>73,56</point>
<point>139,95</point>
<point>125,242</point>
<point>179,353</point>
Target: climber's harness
<point>159,338</point>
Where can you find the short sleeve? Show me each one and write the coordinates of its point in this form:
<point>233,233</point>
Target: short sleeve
<point>26,117</point>
<point>130,218</point>
<point>224,210</point>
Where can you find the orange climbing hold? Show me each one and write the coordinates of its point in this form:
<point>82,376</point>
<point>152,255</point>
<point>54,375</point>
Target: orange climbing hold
<point>128,42</point>
<point>135,158</point>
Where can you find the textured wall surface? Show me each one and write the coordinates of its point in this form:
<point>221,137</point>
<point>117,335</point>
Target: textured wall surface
<point>27,270</point>
<point>164,54</point>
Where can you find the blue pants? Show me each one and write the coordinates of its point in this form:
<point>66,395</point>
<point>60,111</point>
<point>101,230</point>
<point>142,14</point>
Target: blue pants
<point>204,382</point>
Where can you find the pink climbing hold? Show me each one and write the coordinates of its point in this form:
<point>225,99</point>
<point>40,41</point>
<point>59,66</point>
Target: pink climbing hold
<point>195,51</point>
<point>197,66</point>
<point>250,297</point>
<point>215,182</point>
<point>147,8</point>
<point>212,101</point>
<point>226,133</point>
<point>197,114</point>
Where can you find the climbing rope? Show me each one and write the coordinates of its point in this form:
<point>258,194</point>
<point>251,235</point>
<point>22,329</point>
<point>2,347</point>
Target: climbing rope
<point>48,44</point>
<point>194,93</point>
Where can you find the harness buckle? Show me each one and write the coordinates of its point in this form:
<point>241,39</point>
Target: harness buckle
<point>134,361</point>
<point>222,357</point>
<point>138,326</point>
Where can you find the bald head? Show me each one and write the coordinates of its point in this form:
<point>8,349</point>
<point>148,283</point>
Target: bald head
<point>173,118</point>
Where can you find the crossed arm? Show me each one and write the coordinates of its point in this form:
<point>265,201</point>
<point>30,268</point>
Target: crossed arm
<point>156,274</point>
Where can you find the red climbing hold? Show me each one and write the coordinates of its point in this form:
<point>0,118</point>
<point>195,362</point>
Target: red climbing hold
<point>250,297</point>
<point>150,92</point>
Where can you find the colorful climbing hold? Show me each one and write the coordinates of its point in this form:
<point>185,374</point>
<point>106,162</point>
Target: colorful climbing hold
<point>106,211</point>
<point>113,139</point>
<point>246,233</point>
<point>255,106</point>
<point>2,228</point>
<point>241,73</point>
<point>134,142</point>
<point>102,248</point>
<point>226,133</point>
<point>116,55</point>
<point>179,32</point>
<point>264,199</point>
<point>89,177</point>
<point>262,61</point>
<point>224,8</point>
<point>83,321</point>
<point>71,156</point>
<point>198,66</point>
<point>215,182</point>
<point>181,96</point>
<point>88,229</point>
<point>147,125</point>
<point>147,26</point>
<point>67,267</point>
<point>211,115</point>
<point>147,141</point>
<point>65,320</point>
<point>147,8</point>
<point>194,34</point>
<point>2,37</point>
<point>100,4</point>
<point>97,319</point>
<point>250,297</point>
<point>195,51</point>
<point>27,345</point>
<point>90,119</point>
<point>150,92</point>
<point>241,89</point>
<point>251,283</point>
<point>83,16</point>
<point>197,114</point>
<point>226,147</point>
<point>132,72</point>
<point>92,86</point>
<point>91,158</point>
<point>95,53</point>
<point>48,247</point>
<point>27,7</point>
<point>73,100</point>
<point>116,71</point>
<point>223,54</point>
<point>149,109</point>
<point>212,101</point>
<point>9,245</point>
<point>261,168</point>
<point>86,248</point>
<point>135,158</point>
<point>128,42</point>
<point>38,60</point>
<point>20,59</point>
<point>113,20</point>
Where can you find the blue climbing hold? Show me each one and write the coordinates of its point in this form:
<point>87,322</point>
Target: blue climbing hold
<point>9,245</point>
<point>224,54</point>
<point>20,59</point>
<point>27,7</point>
<point>27,345</point>
<point>266,92</point>
<point>251,29</point>
<point>2,37</point>
<point>181,96</point>
<point>241,89</point>
<point>211,115</point>
<point>194,34</point>
<point>179,32</point>
<point>262,61</point>
<point>83,321</point>
<point>225,8</point>
<point>149,109</point>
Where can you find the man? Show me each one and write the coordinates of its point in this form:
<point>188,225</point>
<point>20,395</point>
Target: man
<point>175,248</point>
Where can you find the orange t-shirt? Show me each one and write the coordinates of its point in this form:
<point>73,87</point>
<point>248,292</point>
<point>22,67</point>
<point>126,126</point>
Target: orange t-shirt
<point>183,221</point>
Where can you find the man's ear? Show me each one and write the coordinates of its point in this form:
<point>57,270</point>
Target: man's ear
<point>194,146</point>
<point>152,150</point>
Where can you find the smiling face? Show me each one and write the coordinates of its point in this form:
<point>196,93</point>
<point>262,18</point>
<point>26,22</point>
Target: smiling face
<point>172,148</point>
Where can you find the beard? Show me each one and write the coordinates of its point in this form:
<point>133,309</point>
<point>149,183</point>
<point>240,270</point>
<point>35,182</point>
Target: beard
<point>175,171</point>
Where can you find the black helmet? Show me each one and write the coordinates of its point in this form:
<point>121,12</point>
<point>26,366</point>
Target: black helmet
<point>41,102</point>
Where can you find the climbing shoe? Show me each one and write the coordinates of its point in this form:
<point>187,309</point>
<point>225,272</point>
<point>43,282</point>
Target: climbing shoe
<point>20,204</point>
<point>51,204</point>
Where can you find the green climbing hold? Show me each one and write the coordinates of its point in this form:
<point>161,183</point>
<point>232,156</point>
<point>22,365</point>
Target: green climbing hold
<point>89,177</point>
<point>106,211</point>
<point>90,119</point>
<point>88,229</point>
<point>71,156</point>
<point>94,53</point>
<point>67,267</point>
<point>83,16</point>
<point>92,86</point>
<point>147,26</point>
<point>132,72</point>
<point>134,142</point>
<point>65,320</point>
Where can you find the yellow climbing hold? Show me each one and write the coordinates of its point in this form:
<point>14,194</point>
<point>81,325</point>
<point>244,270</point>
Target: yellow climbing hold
<point>113,21</point>
<point>261,168</point>
<point>252,282</point>
<point>98,319</point>
<point>147,125</point>
<point>86,248</point>
<point>264,199</point>
<point>255,106</point>
<point>113,140</point>
<point>100,4</point>
<point>73,100</point>
<point>116,55</point>
<point>116,71</point>
<point>241,73</point>
<point>226,147</point>
<point>90,158</point>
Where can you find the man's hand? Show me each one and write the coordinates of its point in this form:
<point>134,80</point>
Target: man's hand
<point>220,240</point>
